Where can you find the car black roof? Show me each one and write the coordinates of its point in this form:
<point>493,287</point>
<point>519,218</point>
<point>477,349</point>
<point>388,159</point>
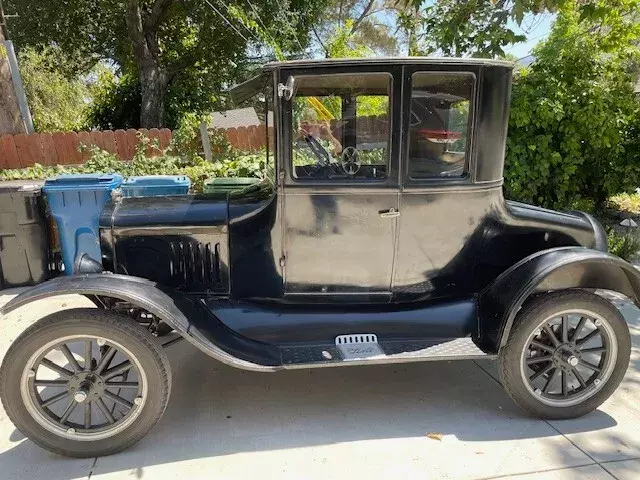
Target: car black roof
<point>326,62</point>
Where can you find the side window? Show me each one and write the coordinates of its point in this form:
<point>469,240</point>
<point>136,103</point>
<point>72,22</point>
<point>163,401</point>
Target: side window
<point>340,127</point>
<point>439,124</point>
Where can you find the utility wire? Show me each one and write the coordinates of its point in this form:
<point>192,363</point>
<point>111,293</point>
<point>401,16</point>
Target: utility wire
<point>293,30</point>
<point>251,32</point>
<point>225,19</point>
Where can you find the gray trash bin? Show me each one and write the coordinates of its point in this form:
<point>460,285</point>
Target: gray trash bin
<point>24,258</point>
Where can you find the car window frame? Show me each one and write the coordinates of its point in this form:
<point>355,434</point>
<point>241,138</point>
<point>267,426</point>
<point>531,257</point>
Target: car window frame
<point>469,166</point>
<point>393,142</point>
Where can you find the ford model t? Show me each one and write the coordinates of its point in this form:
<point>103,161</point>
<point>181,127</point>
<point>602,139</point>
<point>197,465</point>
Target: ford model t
<point>379,234</point>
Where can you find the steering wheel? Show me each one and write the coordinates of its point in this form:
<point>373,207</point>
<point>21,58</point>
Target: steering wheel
<point>318,150</point>
<point>350,161</point>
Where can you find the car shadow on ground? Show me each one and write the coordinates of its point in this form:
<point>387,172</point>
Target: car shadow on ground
<point>216,410</point>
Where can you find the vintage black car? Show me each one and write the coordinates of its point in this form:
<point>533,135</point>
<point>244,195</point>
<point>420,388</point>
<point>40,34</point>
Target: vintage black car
<point>379,234</point>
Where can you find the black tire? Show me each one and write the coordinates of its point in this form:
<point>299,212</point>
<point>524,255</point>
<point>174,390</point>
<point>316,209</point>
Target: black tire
<point>529,321</point>
<point>93,323</point>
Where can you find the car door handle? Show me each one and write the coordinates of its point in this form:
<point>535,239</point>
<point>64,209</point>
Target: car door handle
<point>391,213</point>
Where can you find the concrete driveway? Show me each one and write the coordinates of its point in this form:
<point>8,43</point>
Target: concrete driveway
<point>358,422</point>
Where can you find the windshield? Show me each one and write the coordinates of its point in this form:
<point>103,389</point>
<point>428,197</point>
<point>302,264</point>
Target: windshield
<point>249,125</point>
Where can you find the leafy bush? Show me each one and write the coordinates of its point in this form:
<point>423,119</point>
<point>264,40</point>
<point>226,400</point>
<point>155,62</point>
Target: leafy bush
<point>56,95</point>
<point>624,245</point>
<point>233,164</point>
<point>574,131</point>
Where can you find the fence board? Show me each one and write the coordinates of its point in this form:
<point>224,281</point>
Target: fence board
<point>120,137</point>
<point>109,141</point>
<point>60,147</point>
<point>84,140</point>
<point>154,136</point>
<point>95,138</point>
<point>9,157</point>
<point>132,141</point>
<point>73,148</point>
<point>35,148</point>
<point>165,138</point>
<point>24,153</point>
<point>49,156</point>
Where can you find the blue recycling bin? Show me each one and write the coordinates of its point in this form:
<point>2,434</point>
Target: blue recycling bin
<point>155,185</point>
<point>76,202</point>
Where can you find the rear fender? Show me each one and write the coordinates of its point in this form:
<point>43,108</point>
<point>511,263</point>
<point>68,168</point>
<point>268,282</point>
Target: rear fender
<point>187,315</point>
<point>553,269</point>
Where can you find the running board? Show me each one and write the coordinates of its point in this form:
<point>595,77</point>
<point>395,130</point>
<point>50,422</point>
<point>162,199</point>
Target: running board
<point>371,353</point>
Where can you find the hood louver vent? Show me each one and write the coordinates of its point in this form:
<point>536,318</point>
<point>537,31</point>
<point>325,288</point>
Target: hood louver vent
<point>195,265</point>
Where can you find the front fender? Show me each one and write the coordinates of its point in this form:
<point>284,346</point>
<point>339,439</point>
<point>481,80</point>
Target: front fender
<point>187,315</point>
<point>553,269</point>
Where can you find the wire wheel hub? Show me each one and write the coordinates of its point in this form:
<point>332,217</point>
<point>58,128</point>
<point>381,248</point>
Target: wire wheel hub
<point>569,357</point>
<point>84,388</point>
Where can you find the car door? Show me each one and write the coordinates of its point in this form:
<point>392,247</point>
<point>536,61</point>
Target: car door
<point>438,237</point>
<point>340,185</point>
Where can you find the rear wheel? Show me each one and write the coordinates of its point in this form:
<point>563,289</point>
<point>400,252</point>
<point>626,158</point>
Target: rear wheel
<point>566,354</point>
<point>85,382</point>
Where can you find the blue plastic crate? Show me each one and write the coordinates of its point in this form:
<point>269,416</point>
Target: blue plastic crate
<point>76,202</point>
<point>155,186</point>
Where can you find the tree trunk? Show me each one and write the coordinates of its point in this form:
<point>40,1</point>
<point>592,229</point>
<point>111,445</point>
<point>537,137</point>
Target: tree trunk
<point>153,85</point>
<point>154,78</point>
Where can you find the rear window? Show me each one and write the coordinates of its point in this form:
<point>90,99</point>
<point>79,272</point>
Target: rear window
<point>439,124</point>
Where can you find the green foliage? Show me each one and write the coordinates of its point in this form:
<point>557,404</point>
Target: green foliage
<point>342,44</point>
<point>624,245</point>
<point>626,202</point>
<point>575,121</point>
<point>56,97</point>
<point>116,102</point>
<point>190,52</point>
<point>173,161</point>
<point>365,25</point>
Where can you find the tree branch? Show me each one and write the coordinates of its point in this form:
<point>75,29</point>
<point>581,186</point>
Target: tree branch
<point>324,47</point>
<point>133,19</point>
<point>362,15</point>
<point>158,11</point>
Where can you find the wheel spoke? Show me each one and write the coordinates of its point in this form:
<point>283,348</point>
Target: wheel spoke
<point>117,370</point>
<point>88,357</point>
<point>106,359</point>
<point>590,366</point>
<point>56,368</point>
<point>565,328</point>
<point>584,340</point>
<point>105,411</point>
<point>87,415</point>
<point>68,411</point>
<point>547,385</point>
<point>70,358</point>
<point>542,346</point>
<point>564,384</point>
<point>578,329</point>
<point>54,399</point>
<point>534,360</point>
<point>576,374</point>
<point>118,399</point>
<point>122,385</point>
<point>595,350</point>
<point>50,383</point>
<point>552,335</point>
<point>541,372</point>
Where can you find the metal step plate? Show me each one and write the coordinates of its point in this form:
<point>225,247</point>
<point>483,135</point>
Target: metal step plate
<point>358,346</point>
<point>361,351</point>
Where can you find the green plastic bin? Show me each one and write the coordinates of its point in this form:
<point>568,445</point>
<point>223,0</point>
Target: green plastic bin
<point>227,184</point>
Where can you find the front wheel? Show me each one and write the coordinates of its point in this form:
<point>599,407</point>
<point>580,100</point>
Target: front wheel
<point>85,382</point>
<point>566,354</point>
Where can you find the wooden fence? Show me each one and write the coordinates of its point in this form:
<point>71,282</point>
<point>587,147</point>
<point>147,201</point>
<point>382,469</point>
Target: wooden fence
<point>19,151</point>
<point>63,148</point>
